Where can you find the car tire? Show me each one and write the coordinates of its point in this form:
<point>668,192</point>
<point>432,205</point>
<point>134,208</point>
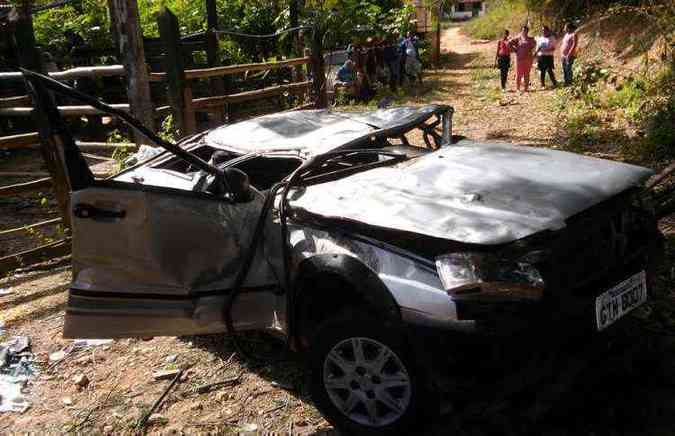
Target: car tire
<point>381,392</point>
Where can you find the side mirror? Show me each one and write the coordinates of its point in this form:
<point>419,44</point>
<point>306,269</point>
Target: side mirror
<point>239,184</point>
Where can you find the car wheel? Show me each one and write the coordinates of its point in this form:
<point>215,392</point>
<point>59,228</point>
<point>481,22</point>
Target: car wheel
<point>362,377</point>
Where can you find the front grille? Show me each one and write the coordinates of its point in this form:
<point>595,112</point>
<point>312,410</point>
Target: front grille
<point>601,242</point>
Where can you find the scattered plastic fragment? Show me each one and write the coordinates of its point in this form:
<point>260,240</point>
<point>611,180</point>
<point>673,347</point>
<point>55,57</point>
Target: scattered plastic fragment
<point>16,369</point>
<point>248,428</point>
<point>57,356</point>
<point>165,374</point>
<point>83,343</point>
<point>5,291</point>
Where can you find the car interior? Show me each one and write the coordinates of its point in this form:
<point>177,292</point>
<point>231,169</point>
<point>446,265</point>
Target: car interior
<point>263,171</point>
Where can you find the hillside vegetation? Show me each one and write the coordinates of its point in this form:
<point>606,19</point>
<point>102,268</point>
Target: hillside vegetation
<point>623,99</point>
<point>502,14</point>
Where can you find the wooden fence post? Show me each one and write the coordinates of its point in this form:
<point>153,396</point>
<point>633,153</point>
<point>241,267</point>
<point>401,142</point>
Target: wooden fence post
<point>318,70</point>
<point>180,93</point>
<point>217,86</point>
<point>436,39</point>
<point>29,58</point>
<point>124,15</point>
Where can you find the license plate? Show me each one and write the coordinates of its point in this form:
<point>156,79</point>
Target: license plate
<point>621,299</point>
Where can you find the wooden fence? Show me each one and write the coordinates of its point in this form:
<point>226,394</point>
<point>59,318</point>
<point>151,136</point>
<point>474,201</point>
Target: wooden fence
<point>179,82</point>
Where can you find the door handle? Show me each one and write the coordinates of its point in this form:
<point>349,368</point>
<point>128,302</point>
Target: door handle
<point>88,211</point>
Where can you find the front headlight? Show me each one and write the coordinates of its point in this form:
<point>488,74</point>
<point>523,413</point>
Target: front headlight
<point>469,272</point>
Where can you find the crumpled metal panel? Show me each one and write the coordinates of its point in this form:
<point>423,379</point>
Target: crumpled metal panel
<point>314,131</point>
<point>413,286</point>
<point>474,193</point>
<point>166,244</point>
<point>391,118</point>
<point>160,177</point>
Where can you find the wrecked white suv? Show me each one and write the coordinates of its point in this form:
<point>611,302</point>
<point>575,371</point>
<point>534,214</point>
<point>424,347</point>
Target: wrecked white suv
<point>373,256</point>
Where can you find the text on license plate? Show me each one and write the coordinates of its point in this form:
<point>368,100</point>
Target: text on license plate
<point>621,299</point>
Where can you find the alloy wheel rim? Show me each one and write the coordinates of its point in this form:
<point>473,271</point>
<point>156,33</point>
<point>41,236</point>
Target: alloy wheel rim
<point>367,382</point>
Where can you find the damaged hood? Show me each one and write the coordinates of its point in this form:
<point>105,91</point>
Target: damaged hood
<point>474,193</point>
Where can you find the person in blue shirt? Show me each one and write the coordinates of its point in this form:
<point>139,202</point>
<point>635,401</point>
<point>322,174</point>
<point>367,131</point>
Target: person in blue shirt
<point>346,78</point>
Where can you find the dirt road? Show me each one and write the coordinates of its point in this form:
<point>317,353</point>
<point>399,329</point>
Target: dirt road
<point>470,83</point>
<point>271,397</point>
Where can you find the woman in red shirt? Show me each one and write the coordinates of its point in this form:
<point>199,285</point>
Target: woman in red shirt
<point>503,58</point>
<point>524,47</point>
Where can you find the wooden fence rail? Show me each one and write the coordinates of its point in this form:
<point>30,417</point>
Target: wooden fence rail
<point>32,141</point>
<point>179,83</point>
<point>66,111</point>
<point>22,188</point>
<point>206,73</point>
<point>25,258</point>
<point>219,100</point>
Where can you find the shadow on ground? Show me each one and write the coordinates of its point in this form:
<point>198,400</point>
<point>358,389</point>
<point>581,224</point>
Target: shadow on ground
<point>625,389</point>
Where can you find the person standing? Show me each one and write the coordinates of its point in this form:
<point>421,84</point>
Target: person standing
<point>412,65</point>
<point>503,58</point>
<point>568,52</point>
<point>524,47</point>
<point>370,66</point>
<point>392,58</point>
<point>546,46</point>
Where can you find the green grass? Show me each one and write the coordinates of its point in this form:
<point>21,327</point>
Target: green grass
<point>484,81</point>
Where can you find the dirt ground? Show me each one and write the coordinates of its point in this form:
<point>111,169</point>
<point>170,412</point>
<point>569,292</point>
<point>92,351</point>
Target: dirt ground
<point>635,396</point>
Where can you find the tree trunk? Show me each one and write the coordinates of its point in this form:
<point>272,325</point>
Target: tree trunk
<point>216,83</point>
<point>124,15</point>
<point>29,58</point>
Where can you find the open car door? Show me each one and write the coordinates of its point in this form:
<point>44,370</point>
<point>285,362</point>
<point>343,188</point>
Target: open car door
<point>154,260</point>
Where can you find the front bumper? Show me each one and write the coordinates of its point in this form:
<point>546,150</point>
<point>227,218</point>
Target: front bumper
<point>491,341</point>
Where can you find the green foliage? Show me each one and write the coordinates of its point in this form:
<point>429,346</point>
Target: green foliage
<point>168,130</point>
<point>628,97</point>
<point>584,128</point>
<point>347,21</point>
<point>119,154</point>
<point>57,30</point>
<point>655,118</point>
<point>501,14</point>
<point>637,113</point>
<point>88,20</point>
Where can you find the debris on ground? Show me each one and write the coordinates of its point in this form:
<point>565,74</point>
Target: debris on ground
<point>5,291</point>
<point>86,343</point>
<point>80,380</point>
<point>157,418</point>
<point>17,368</point>
<point>165,374</point>
<point>57,356</point>
<point>148,418</point>
<point>77,345</point>
<point>219,384</point>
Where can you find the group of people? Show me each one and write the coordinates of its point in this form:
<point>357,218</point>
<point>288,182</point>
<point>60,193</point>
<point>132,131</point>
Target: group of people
<point>386,61</point>
<point>543,49</point>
